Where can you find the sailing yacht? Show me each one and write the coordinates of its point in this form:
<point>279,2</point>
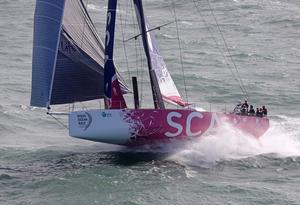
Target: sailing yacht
<point>71,64</point>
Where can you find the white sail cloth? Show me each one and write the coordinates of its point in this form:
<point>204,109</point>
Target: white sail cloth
<point>166,84</point>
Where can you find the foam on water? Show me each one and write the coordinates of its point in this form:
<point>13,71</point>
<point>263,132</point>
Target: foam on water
<point>282,139</point>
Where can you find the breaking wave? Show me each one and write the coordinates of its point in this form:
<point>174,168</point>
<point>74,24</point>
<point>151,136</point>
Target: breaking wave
<point>281,140</point>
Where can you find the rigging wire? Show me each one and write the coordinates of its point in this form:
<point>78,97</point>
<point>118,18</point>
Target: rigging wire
<point>83,107</point>
<point>180,50</point>
<point>59,122</point>
<point>143,75</point>
<point>148,31</point>
<point>142,67</point>
<point>135,43</point>
<point>83,34</point>
<point>123,37</point>
<point>222,53</point>
<point>56,119</point>
<point>139,62</point>
<point>228,51</point>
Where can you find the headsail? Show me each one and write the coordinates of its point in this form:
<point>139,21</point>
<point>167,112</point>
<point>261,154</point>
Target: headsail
<point>113,96</point>
<point>68,55</point>
<point>166,84</point>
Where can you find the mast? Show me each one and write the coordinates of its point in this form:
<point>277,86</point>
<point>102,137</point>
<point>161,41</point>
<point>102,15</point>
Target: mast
<point>113,95</point>
<point>156,94</point>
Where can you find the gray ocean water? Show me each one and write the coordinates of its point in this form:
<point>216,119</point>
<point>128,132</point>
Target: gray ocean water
<point>41,164</point>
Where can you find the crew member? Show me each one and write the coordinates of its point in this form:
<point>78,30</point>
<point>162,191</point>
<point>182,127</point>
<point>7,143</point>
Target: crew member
<point>264,111</point>
<point>245,105</point>
<point>251,111</point>
<point>237,109</point>
<point>243,111</point>
<point>258,113</point>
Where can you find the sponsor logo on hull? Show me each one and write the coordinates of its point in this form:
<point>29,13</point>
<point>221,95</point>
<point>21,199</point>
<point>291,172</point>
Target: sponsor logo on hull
<point>84,120</point>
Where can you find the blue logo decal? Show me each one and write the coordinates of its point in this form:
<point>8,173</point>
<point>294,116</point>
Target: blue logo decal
<point>106,114</point>
<point>84,120</point>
